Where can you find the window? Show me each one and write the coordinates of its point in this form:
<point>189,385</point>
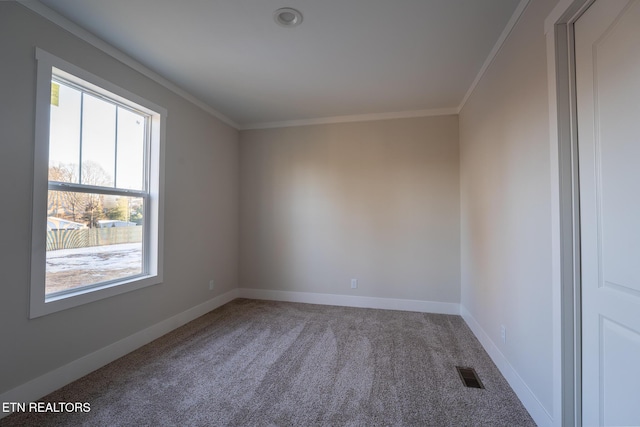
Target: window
<point>97,208</point>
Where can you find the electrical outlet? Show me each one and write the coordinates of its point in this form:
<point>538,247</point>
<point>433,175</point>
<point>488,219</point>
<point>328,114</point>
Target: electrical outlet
<point>503,334</point>
<point>354,283</point>
<point>211,285</point>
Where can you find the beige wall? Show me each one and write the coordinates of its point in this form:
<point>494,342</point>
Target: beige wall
<point>506,204</point>
<point>377,201</point>
<point>201,213</point>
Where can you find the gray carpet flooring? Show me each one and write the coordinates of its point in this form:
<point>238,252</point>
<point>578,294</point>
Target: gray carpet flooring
<point>262,363</point>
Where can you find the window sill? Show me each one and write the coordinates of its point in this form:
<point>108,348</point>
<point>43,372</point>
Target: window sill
<point>42,305</point>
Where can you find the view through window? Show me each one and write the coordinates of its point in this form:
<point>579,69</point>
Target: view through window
<point>98,189</point>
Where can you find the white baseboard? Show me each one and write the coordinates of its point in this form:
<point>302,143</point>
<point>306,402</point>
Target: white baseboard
<point>51,381</point>
<point>537,411</point>
<point>352,301</point>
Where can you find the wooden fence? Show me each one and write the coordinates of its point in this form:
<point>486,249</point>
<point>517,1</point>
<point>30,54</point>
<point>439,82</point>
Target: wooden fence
<point>85,237</point>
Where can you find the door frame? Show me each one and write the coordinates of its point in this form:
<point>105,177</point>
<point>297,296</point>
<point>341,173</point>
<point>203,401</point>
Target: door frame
<point>566,280</point>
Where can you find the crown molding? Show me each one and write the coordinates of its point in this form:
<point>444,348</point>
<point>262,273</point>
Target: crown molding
<point>95,41</point>
<point>496,49</point>
<point>351,118</point>
<point>115,53</point>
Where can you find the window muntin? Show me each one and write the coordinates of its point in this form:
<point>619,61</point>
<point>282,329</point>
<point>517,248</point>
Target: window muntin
<point>98,183</point>
<point>89,129</point>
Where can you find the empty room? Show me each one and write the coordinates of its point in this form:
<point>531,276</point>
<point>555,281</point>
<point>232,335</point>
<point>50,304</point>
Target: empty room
<point>320,213</point>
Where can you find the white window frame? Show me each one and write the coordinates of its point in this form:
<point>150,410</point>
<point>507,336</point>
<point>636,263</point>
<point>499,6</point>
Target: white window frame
<point>40,303</point>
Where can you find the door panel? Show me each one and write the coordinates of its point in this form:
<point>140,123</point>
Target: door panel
<point>620,348</point>
<point>608,95</point>
<point>619,153</point>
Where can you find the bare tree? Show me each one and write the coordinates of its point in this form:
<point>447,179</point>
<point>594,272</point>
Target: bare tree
<point>66,204</point>
<point>93,174</point>
<point>73,205</point>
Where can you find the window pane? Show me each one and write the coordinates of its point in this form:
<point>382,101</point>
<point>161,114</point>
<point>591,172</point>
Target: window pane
<point>98,141</point>
<point>64,133</point>
<point>131,137</point>
<point>92,238</point>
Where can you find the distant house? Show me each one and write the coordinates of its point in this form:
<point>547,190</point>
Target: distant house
<point>54,223</point>
<point>106,223</point>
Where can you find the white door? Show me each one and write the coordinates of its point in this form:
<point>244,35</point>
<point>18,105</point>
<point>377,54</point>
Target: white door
<point>608,95</point>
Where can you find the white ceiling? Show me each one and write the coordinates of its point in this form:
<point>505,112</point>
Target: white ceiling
<point>348,57</point>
